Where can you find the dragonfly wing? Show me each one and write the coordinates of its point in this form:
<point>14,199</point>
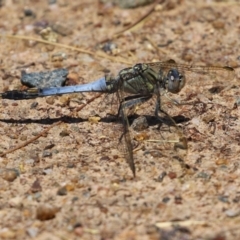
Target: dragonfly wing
<point>206,79</point>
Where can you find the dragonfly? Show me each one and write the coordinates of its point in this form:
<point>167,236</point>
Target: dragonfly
<point>138,84</point>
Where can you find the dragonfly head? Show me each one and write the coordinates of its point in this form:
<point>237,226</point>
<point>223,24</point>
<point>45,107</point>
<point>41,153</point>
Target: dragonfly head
<point>174,81</point>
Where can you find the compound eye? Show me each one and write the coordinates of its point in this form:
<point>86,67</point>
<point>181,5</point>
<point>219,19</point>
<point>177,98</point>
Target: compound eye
<point>180,77</point>
<point>172,78</point>
<point>174,81</point>
<point>173,75</point>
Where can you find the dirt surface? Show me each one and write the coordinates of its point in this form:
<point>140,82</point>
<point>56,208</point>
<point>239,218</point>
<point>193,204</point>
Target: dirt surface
<point>70,179</point>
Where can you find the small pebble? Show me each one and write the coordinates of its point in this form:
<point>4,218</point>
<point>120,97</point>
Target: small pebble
<point>71,165</point>
<point>178,200</point>
<point>232,212</point>
<point>47,171</point>
<point>50,146</point>
<point>49,35</point>
<point>140,124</point>
<point>34,105</point>
<point>32,232</point>
<point>36,186</point>
<point>94,119</point>
<point>64,100</point>
<point>46,154</point>
<point>55,78</point>
<point>9,174</point>
<point>221,162</point>
<point>155,154</point>
<point>105,158</point>
<point>46,212</point>
<point>64,133</point>
<point>223,199</point>
<point>108,47</point>
<point>141,136</point>
<point>29,12</point>
<point>62,29</point>
<point>58,57</point>
<point>130,4</point>
<point>161,176</point>
<point>165,199</point>
<point>62,191</point>
<point>218,24</point>
<point>16,202</point>
<point>50,100</point>
<point>172,175</point>
<point>203,175</point>
<point>70,187</point>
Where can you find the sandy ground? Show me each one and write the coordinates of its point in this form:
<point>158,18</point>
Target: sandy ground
<point>73,182</point>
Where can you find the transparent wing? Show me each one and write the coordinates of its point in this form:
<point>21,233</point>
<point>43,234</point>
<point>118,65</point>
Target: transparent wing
<point>212,79</point>
<point>126,132</point>
<point>216,71</point>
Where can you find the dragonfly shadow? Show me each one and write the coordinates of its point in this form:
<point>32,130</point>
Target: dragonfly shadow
<point>45,121</point>
<point>152,121</point>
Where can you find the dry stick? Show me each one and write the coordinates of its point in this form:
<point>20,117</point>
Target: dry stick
<point>98,54</point>
<point>31,140</point>
<point>88,101</point>
<point>136,24</point>
<point>46,130</point>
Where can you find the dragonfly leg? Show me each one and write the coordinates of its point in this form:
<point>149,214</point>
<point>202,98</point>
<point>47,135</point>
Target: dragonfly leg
<point>129,102</point>
<point>132,101</point>
<point>182,140</point>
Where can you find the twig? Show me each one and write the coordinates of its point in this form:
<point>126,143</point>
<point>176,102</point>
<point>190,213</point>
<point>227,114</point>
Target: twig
<point>47,129</point>
<point>31,140</point>
<point>136,24</point>
<point>88,101</point>
<point>96,54</point>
